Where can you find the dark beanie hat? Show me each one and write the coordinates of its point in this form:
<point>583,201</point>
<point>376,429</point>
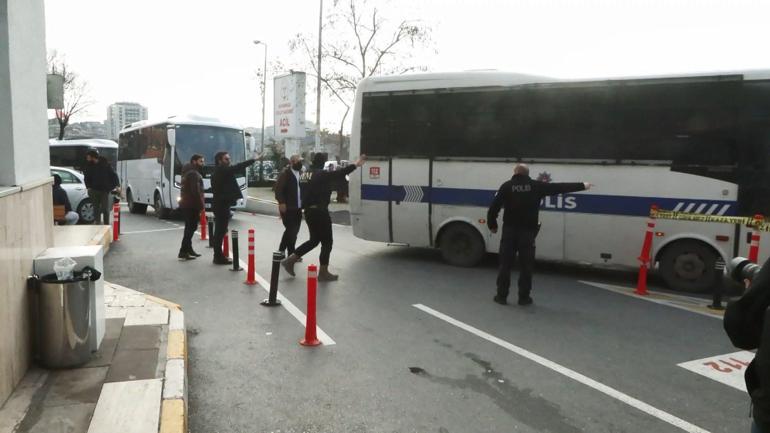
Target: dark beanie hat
<point>319,159</point>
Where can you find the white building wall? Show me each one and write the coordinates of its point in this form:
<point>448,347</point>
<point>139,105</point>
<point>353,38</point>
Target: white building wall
<point>23,113</point>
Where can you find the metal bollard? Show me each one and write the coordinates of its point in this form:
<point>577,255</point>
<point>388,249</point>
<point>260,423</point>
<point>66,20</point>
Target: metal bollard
<point>719,267</point>
<point>236,262</point>
<point>211,233</point>
<point>311,339</point>
<point>272,300</point>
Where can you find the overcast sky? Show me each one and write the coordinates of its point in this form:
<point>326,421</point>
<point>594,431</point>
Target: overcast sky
<point>197,57</point>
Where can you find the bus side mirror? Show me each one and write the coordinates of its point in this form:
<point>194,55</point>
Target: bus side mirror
<point>171,133</point>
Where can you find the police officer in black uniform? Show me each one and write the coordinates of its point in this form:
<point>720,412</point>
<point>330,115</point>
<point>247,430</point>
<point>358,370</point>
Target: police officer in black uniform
<point>521,198</point>
<point>226,193</point>
<point>316,193</point>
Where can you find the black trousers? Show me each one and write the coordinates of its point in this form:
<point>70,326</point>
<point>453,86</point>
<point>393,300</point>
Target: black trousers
<point>522,242</point>
<point>221,222</point>
<point>191,219</point>
<point>292,220</point>
<point>320,225</point>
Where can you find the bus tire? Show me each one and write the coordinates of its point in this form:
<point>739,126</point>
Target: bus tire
<point>461,245</point>
<point>133,207</point>
<point>160,211</point>
<point>688,266</point>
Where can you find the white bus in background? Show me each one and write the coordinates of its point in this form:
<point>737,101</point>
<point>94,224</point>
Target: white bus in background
<point>72,153</point>
<point>151,156</point>
<point>439,146</point>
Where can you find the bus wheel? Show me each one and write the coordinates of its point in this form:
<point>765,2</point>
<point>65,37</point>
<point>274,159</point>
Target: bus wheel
<point>688,266</point>
<point>134,207</point>
<point>160,211</point>
<point>461,245</point>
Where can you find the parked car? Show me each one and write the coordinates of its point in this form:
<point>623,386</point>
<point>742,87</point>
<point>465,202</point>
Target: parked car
<point>73,183</point>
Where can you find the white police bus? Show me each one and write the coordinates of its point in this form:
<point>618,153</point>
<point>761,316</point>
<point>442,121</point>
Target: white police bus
<point>439,146</point>
<point>72,153</point>
<point>151,156</point>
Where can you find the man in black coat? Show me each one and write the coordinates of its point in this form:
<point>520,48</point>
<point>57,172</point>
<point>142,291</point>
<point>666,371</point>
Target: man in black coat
<point>520,197</point>
<point>287,194</point>
<point>316,193</point>
<point>100,180</point>
<point>747,323</point>
<point>226,192</point>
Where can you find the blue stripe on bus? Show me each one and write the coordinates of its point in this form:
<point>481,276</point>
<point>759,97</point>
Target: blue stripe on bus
<point>578,203</point>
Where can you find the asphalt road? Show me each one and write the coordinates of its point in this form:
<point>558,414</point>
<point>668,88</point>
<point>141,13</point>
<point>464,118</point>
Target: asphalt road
<point>421,347</point>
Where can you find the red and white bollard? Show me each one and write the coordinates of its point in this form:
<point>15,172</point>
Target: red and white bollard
<point>754,245</point>
<point>115,222</point>
<point>311,339</point>
<point>226,246</point>
<point>644,257</point>
<point>251,277</point>
<point>204,225</point>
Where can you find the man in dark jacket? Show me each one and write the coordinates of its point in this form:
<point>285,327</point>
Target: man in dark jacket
<point>747,323</point>
<point>192,204</point>
<point>316,194</point>
<point>287,194</point>
<point>226,194</point>
<point>100,180</point>
<point>521,198</point>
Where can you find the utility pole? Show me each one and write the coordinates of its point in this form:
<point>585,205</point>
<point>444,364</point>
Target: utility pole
<point>318,91</point>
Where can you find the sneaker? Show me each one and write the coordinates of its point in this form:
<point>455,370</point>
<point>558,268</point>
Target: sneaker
<point>193,253</point>
<point>525,301</point>
<point>222,261</point>
<point>500,300</point>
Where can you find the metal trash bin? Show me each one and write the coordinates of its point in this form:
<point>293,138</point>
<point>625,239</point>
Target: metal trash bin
<point>63,319</point>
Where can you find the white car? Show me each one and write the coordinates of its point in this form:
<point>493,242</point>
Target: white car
<point>73,183</point>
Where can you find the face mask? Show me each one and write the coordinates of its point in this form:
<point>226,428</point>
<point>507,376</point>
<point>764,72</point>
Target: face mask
<point>297,166</point>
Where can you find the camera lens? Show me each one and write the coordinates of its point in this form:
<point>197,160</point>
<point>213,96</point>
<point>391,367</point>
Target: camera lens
<point>741,268</point>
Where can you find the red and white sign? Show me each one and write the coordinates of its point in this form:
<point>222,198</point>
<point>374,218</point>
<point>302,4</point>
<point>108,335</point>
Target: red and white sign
<point>374,172</point>
<point>289,105</point>
<point>728,369</point>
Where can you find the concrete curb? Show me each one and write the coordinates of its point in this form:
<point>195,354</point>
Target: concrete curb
<point>173,414</point>
<point>123,302</point>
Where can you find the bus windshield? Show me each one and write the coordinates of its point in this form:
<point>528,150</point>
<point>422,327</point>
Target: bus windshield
<point>207,141</point>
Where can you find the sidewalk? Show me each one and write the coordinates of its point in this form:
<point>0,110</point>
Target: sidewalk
<point>262,201</point>
<point>135,383</point>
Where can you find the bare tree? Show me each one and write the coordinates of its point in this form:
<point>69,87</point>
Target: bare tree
<point>76,94</point>
<point>360,42</point>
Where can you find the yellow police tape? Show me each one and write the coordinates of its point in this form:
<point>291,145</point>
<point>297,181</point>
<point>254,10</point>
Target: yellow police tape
<point>762,225</point>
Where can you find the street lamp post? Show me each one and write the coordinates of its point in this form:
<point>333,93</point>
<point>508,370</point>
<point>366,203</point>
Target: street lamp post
<point>264,90</point>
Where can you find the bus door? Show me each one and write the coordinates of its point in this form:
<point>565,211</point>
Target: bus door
<point>410,201</point>
<point>374,209</point>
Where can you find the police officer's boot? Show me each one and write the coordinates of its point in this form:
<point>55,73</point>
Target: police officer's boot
<point>288,263</point>
<point>325,275</point>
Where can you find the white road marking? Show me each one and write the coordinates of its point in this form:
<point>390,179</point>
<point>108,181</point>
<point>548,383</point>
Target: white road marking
<point>578,377</point>
<point>728,368</point>
<point>291,308</point>
<point>150,231</point>
<point>627,291</point>
<point>286,303</point>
